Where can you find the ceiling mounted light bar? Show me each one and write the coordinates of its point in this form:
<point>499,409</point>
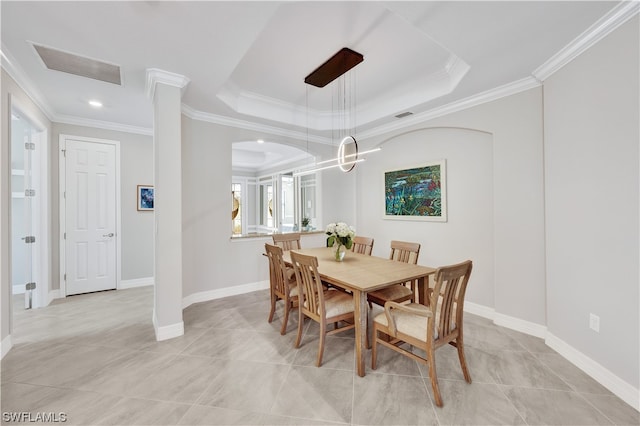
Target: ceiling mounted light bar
<point>334,67</point>
<point>306,172</point>
<point>349,155</point>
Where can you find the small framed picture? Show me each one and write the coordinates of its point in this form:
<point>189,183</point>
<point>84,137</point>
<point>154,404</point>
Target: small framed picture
<point>145,198</point>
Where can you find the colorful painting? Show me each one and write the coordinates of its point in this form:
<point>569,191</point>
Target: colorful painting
<point>145,197</point>
<point>416,194</point>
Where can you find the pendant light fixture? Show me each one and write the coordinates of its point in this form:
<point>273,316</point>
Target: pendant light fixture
<point>336,67</point>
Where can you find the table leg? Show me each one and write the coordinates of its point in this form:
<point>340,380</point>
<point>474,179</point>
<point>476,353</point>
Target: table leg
<point>360,314</point>
<point>423,285</point>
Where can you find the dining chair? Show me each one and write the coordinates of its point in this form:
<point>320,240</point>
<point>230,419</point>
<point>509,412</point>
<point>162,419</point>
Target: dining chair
<point>282,287</point>
<point>321,305</point>
<point>401,251</point>
<point>362,245</point>
<point>427,327</point>
<point>288,241</point>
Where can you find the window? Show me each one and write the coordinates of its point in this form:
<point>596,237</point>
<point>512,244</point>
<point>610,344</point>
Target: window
<point>273,203</point>
<point>236,208</point>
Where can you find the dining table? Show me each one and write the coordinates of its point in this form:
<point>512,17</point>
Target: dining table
<point>361,274</point>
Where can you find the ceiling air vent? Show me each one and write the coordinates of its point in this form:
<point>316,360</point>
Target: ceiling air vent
<point>78,65</point>
<point>404,114</point>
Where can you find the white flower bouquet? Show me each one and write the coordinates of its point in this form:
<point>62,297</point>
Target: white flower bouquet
<point>340,234</point>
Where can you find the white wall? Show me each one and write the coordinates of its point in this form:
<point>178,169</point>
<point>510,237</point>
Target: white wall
<point>136,168</point>
<point>211,259</point>
<point>591,182</point>
<point>515,126</point>
<point>468,233</point>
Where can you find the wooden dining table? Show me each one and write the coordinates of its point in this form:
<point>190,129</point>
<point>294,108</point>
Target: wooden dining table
<point>360,274</point>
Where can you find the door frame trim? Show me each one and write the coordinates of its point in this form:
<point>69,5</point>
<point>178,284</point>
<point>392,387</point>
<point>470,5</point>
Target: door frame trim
<point>43,271</point>
<point>61,202</point>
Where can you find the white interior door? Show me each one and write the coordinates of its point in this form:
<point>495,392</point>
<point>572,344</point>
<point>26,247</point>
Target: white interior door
<point>90,244</point>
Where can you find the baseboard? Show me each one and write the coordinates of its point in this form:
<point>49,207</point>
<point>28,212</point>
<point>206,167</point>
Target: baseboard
<point>520,325</point>
<point>6,346</point>
<point>204,296</point>
<point>480,310</point>
<point>168,331</point>
<point>18,289</point>
<point>507,321</point>
<point>137,282</point>
<point>606,378</point>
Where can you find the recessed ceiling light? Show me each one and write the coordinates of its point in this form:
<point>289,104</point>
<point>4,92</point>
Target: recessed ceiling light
<point>95,104</point>
<point>260,141</point>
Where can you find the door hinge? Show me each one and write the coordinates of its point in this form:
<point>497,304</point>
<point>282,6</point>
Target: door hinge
<point>65,235</point>
<point>29,192</point>
<point>65,277</point>
<point>30,286</point>
<point>30,146</point>
<point>29,239</point>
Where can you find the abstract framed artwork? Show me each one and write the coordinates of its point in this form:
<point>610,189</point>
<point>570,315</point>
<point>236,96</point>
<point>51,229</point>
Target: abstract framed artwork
<point>145,198</point>
<point>416,193</point>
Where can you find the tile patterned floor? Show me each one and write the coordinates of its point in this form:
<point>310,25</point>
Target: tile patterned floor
<point>95,358</point>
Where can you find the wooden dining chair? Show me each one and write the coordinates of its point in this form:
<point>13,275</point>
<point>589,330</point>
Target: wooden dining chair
<point>427,327</point>
<point>401,251</point>
<point>362,245</point>
<point>282,287</point>
<point>288,241</point>
<point>321,305</point>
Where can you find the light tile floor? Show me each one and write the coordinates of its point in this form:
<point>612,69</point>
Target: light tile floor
<point>95,358</point>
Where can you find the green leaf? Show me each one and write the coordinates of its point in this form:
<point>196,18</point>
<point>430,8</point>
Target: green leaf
<point>330,241</point>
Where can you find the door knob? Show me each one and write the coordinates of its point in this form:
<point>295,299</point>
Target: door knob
<point>110,234</point>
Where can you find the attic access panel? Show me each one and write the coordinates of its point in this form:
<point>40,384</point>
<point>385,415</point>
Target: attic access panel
<point>334,67</point>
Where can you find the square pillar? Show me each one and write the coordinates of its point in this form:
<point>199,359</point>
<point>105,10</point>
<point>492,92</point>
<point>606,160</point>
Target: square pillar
<point>165,91</point>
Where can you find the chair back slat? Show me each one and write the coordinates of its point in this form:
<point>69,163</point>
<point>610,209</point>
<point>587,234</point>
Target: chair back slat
<point>405,252</point>
<point>448,296</point>
<point>362,245</point>
<point>288,241</point>
<point>310,288</point>
<point>276,269</point>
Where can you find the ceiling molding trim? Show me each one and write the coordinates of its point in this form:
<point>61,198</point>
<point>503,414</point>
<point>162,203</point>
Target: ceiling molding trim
<point>596,32</point>
<point>472,101</point>
<point>99,124</point>
<point>9,64</point>
<point>248,125</point>
<point>155,76</point>
<point>260,106</point>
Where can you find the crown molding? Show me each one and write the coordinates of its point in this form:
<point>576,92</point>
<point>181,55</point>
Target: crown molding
<point>249,125</point>
<point>155,76</point>
<point>99,124</point>
<point>10,65</point>
<point>475,100</point>
<point>596,32</point>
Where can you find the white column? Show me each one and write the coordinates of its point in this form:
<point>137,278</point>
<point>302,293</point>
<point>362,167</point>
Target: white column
<point>164,89</point>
